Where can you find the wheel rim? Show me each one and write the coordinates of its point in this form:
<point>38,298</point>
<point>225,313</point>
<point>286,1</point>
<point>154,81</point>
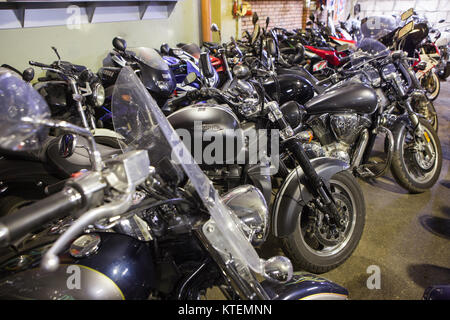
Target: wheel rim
<point>420,167</point>
<point>431,86</point>
<point>320,250</point>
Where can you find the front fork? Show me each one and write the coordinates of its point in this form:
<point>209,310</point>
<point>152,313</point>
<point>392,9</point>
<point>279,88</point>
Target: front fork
<point>419,132</point>
<point>315,183</point>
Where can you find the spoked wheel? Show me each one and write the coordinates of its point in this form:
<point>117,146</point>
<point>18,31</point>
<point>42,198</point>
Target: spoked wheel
<point>432,85</point>
<point>417,160</point>
<point>317,245</point>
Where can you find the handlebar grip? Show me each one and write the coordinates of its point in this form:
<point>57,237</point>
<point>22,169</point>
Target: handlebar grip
<point>178,101</point>
<point>38,64</point>
<point>31,217</point>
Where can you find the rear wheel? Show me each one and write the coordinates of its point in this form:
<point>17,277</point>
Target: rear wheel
<point>310,246</point>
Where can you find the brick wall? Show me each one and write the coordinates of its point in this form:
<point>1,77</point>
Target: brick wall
<point>283,13</point>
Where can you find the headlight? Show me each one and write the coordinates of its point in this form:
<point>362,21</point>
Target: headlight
<point>249,205</point>
<point>98,95</point>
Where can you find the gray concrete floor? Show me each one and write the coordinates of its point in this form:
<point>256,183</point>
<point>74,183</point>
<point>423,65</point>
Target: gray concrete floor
<point>406,235</point>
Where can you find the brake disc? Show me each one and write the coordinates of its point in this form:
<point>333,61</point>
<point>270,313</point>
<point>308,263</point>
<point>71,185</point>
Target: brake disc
<point>329,234</point>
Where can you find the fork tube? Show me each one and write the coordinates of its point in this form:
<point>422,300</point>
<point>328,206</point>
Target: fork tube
<point>77,97</point>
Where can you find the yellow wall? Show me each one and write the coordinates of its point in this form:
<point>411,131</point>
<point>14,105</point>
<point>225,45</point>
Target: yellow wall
<point>221,14</point>
<point>90,44</point>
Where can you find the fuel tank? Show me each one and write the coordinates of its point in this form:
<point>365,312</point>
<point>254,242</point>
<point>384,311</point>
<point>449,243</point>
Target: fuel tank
<point>101,266</point>
<point>211,132</point>
<point>351,97</point>
<point>292,87</point>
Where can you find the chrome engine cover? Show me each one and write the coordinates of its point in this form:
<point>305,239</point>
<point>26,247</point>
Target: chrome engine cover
<point>338,132</point>
<point>346,127</point>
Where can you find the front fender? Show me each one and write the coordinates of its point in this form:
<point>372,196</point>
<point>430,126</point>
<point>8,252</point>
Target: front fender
<point>293,194</point>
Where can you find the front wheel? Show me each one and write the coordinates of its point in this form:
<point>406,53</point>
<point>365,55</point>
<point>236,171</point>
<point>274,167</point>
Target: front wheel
<point>310,247</point>
<point>417,159</point>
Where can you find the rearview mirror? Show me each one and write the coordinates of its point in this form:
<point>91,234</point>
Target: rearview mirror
<point>119,44</point>
<point>407,28</point>
<point>255,18</point>
<point>67,144</point>
<point>165,49</point>
<point>311,17</point>
<point>22,113</point>
<point>190,78</point>
<point>441,21</point>
<point>28,74</point>
<point>272,47</point>
<point>405,15</point>
<point>205,65</point>
<point>214,28</point>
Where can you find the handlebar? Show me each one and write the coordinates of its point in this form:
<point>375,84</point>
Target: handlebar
<point>38,64</point>
<point>31,217</point>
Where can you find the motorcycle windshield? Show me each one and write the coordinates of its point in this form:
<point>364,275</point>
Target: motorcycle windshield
<point>376,27</point>
<point>137,117</point>
<point>151,58</point>
<point>371,46</point>
<point>21,110</point>
<point>193,49</point>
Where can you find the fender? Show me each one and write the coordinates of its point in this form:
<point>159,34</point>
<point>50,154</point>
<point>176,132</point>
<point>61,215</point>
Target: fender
<point>305,286</point>
<point>290,199</point>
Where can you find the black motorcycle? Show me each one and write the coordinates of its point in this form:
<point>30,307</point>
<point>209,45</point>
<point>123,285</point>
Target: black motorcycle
<point>74,94</point>
<point>369,97</point>
<point>147,224</point>
<point>319,210</point>
<point>151,68</point>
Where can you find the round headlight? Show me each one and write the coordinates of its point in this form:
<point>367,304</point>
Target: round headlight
<point>98,95</point>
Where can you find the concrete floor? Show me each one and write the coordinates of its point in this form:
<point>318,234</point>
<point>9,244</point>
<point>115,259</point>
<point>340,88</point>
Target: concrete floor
<point>406,235</point>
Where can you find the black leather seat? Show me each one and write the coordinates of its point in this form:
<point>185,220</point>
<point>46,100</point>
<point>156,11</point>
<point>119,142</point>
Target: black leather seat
<point>80,158</point>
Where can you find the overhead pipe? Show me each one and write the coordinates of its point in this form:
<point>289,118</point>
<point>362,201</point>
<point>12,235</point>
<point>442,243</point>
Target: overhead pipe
<point>206,20</point>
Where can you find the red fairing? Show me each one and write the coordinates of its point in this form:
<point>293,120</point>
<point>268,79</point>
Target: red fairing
<point>328,55</point>
<point>217,63</point>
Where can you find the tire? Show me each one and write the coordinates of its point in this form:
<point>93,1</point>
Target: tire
<point>399,167</point>
<point>13,202</point>
<point>305,257</point>
<point>433,92</point>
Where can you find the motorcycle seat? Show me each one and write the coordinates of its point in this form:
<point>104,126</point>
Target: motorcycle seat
<point>79,160</point>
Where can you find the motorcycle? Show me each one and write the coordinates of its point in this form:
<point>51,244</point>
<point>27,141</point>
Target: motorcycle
<point>154,72</point>
<point>385,105</point>
<point>320,233</point>
<point>146,224</point>
<point>74,94</point>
